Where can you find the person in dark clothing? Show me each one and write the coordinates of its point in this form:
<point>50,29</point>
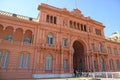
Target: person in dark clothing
<point>80,73</point>
<point>75,72</point>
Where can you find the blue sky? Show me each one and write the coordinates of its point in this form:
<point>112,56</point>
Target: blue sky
<point>105,11</point>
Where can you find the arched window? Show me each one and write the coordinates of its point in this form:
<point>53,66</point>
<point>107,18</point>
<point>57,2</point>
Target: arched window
<point>27,40</point>
<point>100,47</point>
<point>102,63</point>
<point>27,36</point>
<point>50,38</point>
<point>48,62</point>
<point>9,37</point>
<point>4,58</point>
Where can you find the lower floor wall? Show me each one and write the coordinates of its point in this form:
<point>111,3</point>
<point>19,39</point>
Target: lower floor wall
<point>51,75</point>
<point>13,75</point>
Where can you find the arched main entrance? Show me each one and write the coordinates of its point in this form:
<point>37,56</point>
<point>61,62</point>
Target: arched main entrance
<point>78,56</point>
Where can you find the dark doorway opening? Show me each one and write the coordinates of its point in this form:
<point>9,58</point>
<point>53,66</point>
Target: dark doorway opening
<point>78,56</point>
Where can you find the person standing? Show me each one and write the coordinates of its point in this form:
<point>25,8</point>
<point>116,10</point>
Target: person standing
<point>75,72</point>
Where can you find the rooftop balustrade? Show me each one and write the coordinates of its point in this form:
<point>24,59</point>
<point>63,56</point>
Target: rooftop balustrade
<point>17,16</point>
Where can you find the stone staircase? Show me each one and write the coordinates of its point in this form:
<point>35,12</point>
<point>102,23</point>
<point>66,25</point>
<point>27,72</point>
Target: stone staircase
<point>78,78</point>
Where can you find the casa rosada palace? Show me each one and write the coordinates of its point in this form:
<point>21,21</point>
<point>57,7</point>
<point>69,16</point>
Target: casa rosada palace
<point>54,45</point>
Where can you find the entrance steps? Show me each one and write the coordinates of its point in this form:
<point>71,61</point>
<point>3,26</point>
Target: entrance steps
<point>76,78</point>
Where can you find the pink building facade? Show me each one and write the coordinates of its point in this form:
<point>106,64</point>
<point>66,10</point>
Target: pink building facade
<point>54,45</point>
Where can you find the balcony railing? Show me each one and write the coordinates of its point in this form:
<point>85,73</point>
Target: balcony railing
<point>49,46</point>
<point>15,42</point>
<point>113,75</point>
<point>16,15</point>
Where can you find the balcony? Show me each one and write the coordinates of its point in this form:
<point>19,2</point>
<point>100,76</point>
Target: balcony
<point>49,46</point>
<point>96,52</point>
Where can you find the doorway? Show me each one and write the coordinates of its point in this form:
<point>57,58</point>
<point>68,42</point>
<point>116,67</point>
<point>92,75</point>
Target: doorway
<point>78,56</point>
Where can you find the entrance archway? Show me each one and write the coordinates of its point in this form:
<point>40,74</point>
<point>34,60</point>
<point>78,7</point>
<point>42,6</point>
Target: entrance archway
<point>78,56</point>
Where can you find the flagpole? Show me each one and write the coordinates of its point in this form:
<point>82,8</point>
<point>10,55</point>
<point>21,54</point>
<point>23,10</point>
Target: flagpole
<point>76,4</point>
<point>46,1</point>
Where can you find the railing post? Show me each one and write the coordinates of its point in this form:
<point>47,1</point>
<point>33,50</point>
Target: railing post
<point>93,74</point>
<point>106,75</point>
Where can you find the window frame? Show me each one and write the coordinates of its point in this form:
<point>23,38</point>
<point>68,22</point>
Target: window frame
<point>65,42</point>
<point>50,39</point>
<point>24,59</point>
<point>5,59</point>
<point>65,65</point>
<point>48,62</point>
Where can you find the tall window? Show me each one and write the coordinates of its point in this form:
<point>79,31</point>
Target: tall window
<point>24,60</point>
<point>92,46</point>
<point>47,18</point>
<point>21,58</point>
<point>65,65</point>
<point>71,23</point>
<point>115,51</point>
<point>118,64</point>
<point>51,19</point>
<point>111,64</point>
<point>119,51</point>
<point>108,50</point>
<point>75,25</point>
<point>78,26</point>
<point>85,28</point>
<point>95,65</point>
<point>102,63</point>
<point>64,42</point>
<point>100,47</point>
<point>48,62</point>
<point>55,20</point>
<point>50,39</point>
<point>82,27</point>
<point>4,59</point>
<point>0,56</point>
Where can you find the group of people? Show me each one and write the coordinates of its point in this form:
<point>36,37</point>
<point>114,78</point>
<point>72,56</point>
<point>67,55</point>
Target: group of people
<point>77,73</point>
